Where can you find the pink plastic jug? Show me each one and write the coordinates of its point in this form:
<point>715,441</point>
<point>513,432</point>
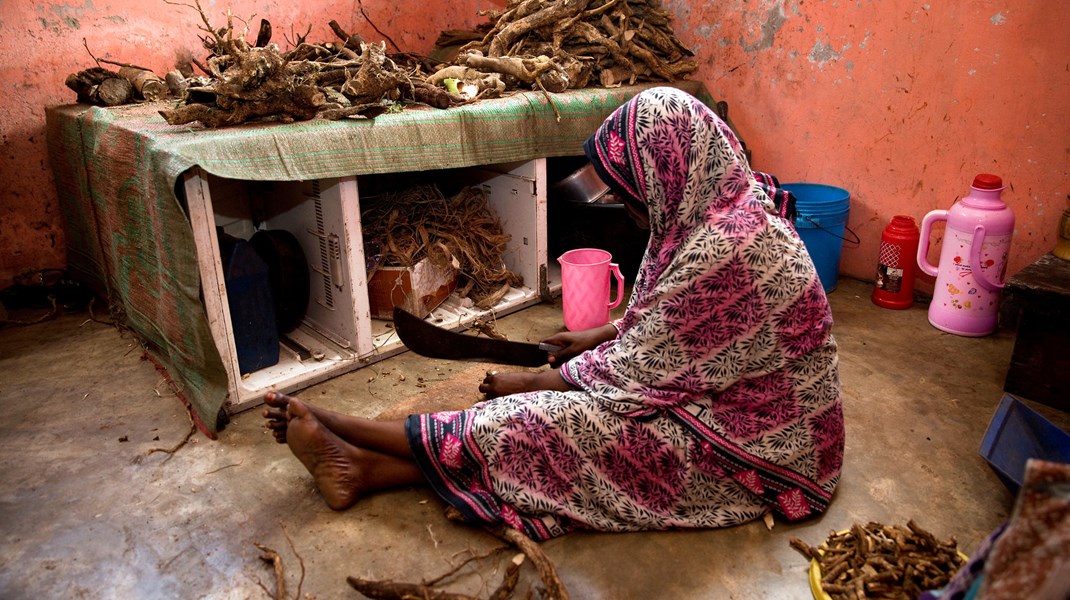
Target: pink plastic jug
<point>585,287</point>
<point>973,259</point>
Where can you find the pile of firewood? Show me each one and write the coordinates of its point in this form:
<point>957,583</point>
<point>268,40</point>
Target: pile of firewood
<point>880,561</point>
<point>555,45</point>
<point>105,87</point>
<point>330,80</point>
<point>548,45</point>
<point>247,81</point>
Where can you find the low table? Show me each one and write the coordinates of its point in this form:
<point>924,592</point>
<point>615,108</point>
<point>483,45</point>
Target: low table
<point>1038,297</point>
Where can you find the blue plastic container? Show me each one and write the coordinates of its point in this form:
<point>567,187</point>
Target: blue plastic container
<point>252,309</point>
<point>1018,433</point>
<point>821,221</point>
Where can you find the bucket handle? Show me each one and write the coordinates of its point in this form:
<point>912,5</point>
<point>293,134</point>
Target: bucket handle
<point>857,241</point>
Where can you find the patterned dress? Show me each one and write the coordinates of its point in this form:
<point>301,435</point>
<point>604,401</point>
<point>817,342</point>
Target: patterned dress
<point>719,399</point>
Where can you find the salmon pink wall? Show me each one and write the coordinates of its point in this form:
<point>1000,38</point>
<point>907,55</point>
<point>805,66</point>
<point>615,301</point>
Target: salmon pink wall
<point>901,102</point>
<point>42,42</point>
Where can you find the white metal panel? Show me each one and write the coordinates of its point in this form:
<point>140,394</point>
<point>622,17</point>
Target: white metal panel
<point>210,264</point>
<point>337,334</point>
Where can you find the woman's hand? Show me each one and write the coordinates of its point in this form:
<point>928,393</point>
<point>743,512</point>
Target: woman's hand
<point>573,343</point>
<point>497,384</point>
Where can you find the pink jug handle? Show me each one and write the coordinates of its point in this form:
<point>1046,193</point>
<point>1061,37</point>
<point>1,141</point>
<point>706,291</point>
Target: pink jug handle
<point>615,269</point>
<point>923,245</point>
<point>975,261</point>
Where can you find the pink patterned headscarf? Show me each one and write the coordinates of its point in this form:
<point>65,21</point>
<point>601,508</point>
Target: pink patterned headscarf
<point>726,289</point>
<point>728,329</point>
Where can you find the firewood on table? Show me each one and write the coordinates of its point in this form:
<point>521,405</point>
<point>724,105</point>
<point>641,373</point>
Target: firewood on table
<point>256,82</point>
<point>263,37</point>
<point>549,13</point>
<point>585,39</point>
<point>147,84</point>
<point>176,83</point>
<point>431,95</point>
<point>374,80</point>
<point>113,92</point>
<point>539,69</point>
<point>367,111</point>
<point>100,86</point>
<point>353,42</point>
<point>302,104</point>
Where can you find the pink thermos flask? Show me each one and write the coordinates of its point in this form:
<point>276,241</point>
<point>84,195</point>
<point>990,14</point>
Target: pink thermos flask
<point>973,260</point>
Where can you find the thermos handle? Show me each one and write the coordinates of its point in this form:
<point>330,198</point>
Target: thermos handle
<point>975,261</point>
<point>615,269</point>
<point>923,245</point>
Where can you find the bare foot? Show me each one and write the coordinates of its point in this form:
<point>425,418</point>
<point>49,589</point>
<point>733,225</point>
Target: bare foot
<point>276,416</point>
<point>497,384</point>
<point>332,462</point>
<point>278,419</point>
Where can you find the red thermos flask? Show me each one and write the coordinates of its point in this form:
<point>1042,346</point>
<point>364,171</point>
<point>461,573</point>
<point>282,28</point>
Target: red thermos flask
<point>894,285</point>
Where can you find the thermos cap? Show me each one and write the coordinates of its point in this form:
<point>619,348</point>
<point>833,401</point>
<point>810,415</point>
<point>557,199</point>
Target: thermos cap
<point>987,181</point>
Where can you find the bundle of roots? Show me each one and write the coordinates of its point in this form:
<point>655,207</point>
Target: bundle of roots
<point>547,45</point>
<point>462,231</point>
<point>556,45</point>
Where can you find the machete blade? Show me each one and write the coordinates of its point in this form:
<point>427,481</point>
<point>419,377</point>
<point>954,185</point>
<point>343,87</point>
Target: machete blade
<point>425,339</point>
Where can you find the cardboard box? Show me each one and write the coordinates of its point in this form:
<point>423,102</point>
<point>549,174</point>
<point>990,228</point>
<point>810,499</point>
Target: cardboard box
<point>418,290</point>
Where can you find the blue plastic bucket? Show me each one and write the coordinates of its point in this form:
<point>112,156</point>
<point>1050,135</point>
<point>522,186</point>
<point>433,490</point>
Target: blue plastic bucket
<point>821,218</point>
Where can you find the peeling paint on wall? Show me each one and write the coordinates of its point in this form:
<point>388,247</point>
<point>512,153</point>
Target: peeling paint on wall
<point>774,20</point>
<point>890,100</point>
<point>824,53</point>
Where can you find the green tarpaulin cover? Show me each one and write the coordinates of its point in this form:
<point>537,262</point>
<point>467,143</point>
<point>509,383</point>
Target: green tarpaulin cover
<point>116,172</point>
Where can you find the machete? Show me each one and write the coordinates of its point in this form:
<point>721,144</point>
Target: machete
<point>426,339</point>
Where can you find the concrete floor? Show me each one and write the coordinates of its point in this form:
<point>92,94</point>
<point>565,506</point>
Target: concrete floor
<point>86,511</point>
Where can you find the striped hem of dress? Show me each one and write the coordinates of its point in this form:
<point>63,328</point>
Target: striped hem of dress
<point>448,464</point>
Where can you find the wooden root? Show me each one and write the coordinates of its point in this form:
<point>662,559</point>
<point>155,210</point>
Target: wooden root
<point>100,86</point>
<point>555,590</point>
<point>147,84</point>
<point>610,42</point>
<point>550,14</point>
<point>540,69</point>
<point>391,590</point>
<point>270,556</point>
<point>334,80</point>
<point>304,104</point>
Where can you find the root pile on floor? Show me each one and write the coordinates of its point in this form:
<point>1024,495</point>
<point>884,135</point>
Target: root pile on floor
<point>881,561</point>
<point>406,226</point>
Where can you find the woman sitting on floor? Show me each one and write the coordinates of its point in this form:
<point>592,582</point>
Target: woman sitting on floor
<point>715,399</point>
